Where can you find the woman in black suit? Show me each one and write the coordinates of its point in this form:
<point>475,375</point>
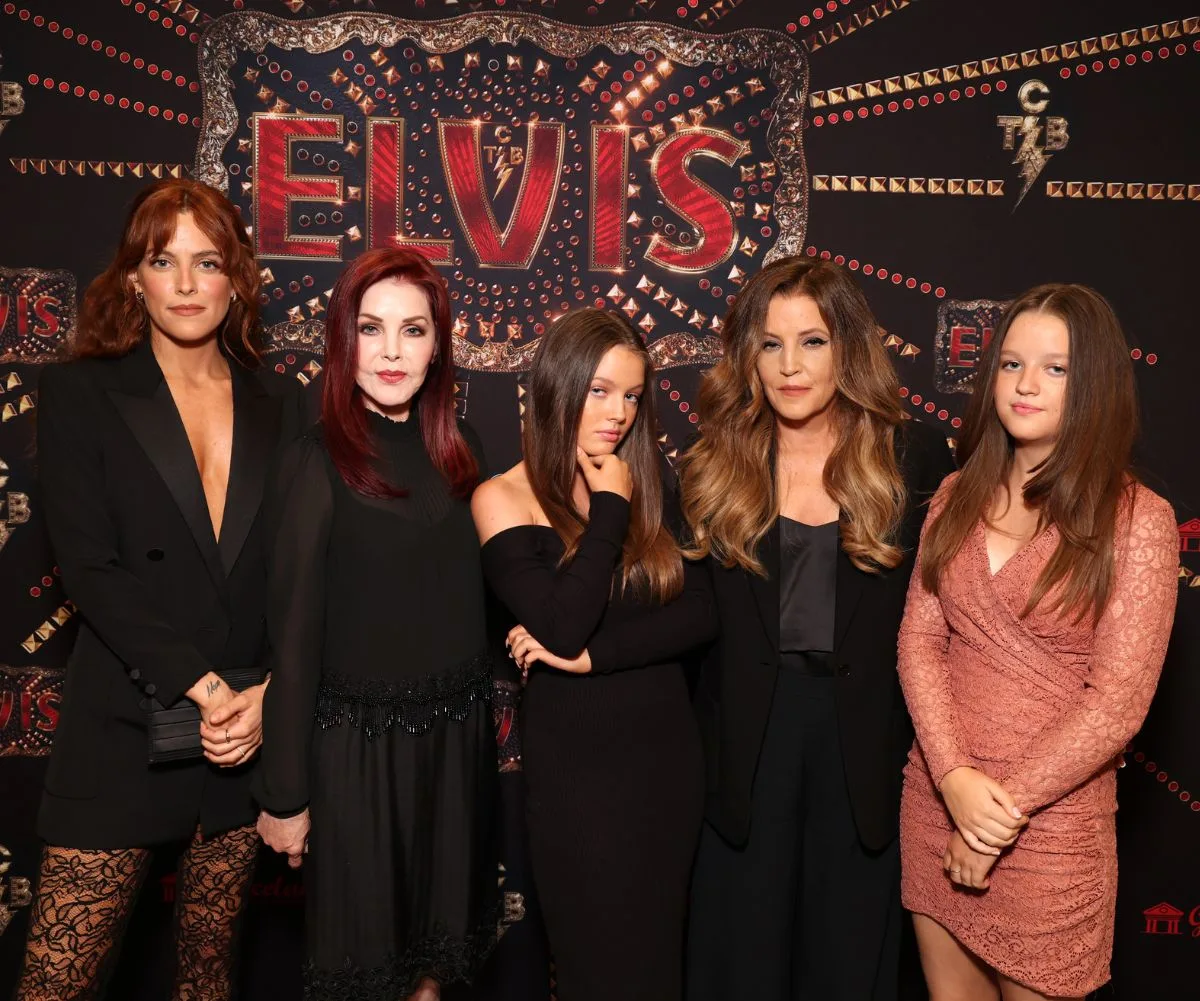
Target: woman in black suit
<point>806,491</point>
<point>153,445</point>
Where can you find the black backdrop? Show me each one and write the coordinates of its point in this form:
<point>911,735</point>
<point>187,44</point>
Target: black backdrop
<point>920,129</point>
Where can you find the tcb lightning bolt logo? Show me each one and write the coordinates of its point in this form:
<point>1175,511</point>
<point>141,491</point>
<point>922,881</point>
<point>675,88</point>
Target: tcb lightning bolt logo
<point>1031,157</point>
<point>503,157</point>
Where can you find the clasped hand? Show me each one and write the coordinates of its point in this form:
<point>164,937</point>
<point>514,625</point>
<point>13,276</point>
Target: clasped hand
<point>231,728</point>
<point>985,814</point>
<point>287,835</point>
<point>966,867</point>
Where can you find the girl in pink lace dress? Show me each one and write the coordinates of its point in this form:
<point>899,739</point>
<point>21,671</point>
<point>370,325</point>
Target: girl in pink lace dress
<point>1035,631</point>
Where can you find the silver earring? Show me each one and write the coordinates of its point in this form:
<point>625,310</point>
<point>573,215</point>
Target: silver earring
<point>139,295</point>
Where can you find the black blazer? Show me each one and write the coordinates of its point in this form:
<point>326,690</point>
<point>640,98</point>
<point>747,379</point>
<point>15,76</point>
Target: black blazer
<point>160,603</point>
<point>737,681</point>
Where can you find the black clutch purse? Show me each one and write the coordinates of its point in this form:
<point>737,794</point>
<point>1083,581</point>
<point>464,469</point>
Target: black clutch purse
<point>174,730</point>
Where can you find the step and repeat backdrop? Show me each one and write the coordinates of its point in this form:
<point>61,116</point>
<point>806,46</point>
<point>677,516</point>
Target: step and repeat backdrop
<point>646,157</point>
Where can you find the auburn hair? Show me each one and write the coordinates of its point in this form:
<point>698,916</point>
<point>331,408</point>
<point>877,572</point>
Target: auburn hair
<point>557,389</point>
<point>1082,485</point>
<point>730,494</point>
<point>343,413</point>
<point>112,321</point>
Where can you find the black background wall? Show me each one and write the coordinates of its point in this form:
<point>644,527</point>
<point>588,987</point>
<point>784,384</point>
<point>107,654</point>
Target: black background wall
<point>906,156</point>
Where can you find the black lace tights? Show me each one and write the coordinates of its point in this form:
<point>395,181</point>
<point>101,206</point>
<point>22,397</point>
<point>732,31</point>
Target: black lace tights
<point>84,900</point>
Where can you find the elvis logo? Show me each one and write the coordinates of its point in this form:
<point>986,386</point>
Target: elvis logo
<point>37,314</point>
<point>1034,151</point>
<point>544,166</point>
<point>29,701</point>
<point>964,329</point>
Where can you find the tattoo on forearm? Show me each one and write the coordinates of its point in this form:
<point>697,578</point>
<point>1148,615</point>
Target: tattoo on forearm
<point>213,686</point>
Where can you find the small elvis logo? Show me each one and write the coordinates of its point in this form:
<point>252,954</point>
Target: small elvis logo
<point>29,701</point>
<point>37,315</point>
<point>1031,156</point>
<point>963,332</point>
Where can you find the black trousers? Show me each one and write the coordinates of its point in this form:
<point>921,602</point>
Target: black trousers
<point>802,912</point>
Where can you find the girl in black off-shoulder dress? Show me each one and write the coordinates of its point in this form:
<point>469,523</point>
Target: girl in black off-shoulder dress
<point>577,548</point>
<point>378,726</point>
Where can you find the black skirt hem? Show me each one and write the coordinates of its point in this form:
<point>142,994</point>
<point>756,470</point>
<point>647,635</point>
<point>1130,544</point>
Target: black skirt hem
<point>443,957</point>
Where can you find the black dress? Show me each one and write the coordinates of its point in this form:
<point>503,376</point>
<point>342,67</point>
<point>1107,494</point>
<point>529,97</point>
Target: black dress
<point>377,719</point>
<point>612,762</point>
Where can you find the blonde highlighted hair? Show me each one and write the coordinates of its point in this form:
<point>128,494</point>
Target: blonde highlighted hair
<point>730,495</point>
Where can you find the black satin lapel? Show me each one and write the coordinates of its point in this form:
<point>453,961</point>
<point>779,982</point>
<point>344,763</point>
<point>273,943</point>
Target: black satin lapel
<point>848,589</point>
<point>155,423</point>
<point>255,428</point>
<point>766,590</point>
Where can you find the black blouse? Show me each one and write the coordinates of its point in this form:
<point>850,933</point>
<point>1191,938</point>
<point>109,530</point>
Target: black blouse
<point>808,575</point>
<point>375,606</point>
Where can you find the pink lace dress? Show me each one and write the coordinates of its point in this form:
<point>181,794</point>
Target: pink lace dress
<point>1044,706</point>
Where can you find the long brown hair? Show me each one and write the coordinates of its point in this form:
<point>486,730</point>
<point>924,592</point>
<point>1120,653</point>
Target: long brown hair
<point>730,497</point>
<point>559,378</point>
<point>1080,486</point>
<point>112,321</point>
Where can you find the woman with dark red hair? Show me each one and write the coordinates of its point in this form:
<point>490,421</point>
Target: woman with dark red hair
<point>378,759</point>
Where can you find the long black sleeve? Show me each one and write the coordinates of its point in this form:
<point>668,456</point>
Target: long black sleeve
<point>299,512</point>
<point>560,607</point>
<point>113,601</point>
<point>659,633</point>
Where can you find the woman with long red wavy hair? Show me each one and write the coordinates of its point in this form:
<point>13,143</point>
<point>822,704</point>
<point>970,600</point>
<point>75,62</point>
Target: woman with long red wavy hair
<point>152,447</point>
<point>379,757</point>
